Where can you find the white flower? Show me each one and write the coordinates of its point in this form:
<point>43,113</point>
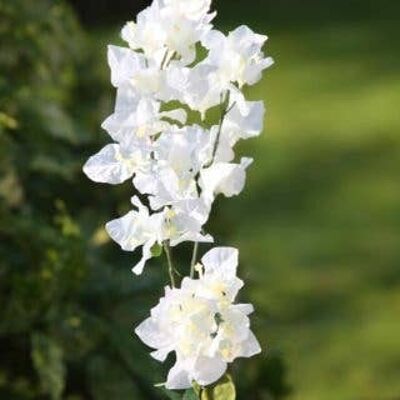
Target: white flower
<point>225,178</point>
<point>182,33</point>
<point>140,228</point>
<point>123,64</point>
<point>204,88</point>
<point>183,149</point>
<point>139,116</point>
<point>201,325</point>
<point>238,56</point>
<point>244,124</point>
<point>218,277</point>
<point>168,28</point>
<point>130,68</point>
<point>184,223</point>
<point>178,157</point>
<point>116,163</point>
<point>135,229</point>
<point>146,34</point>
<point>240,123</point>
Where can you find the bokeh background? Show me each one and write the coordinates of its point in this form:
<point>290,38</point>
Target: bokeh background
<point>318,225</point>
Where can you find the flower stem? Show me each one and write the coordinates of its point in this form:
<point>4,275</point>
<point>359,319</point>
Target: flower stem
<point>194,259</point>
<point>225,109</point>
<point>170,264</point>
<point>168,57</point>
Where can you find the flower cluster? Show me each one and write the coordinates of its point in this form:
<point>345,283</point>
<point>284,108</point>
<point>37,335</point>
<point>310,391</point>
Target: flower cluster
<point>200,323</point>
<point>176,72</point>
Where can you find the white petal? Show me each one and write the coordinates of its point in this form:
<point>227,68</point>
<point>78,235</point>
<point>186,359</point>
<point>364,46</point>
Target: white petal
<point>246,125</point>
<point>127,99</point>
<point>224,259</point>
<point>178,378</point>
<point>120,230</point>
<point>250,347</point>
<point>246,309</point>
<point>192,237</point>
<point>226,178</point>
<point>151,335</point>
<point>123,63</point>
<point>160,355</point>
<point>208,370</point>
<point>109,166</point>
<point>146,255</point>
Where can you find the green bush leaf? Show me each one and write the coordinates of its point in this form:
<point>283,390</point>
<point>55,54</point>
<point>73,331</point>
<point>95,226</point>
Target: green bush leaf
<point>47,357</point>
<point>224,389</point>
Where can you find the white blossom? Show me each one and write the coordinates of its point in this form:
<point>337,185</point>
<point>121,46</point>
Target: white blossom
<point>200,323</point>
<point>224,178</point>
<point>135,229</point>
<point>178,157</point>
<point>116,163</point>
<point>139,228</point>
<point>168,28</point>
<point>238,56</point>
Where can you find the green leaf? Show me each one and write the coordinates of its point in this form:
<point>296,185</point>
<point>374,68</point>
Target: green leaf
<point>224,389</point>
<point>47,357</point>
<point>156,250</point>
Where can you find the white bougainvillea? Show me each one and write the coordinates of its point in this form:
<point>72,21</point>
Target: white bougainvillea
<point>175,68</point>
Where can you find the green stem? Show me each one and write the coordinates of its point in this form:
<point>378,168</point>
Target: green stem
<point>194,259</point>
<point>167,59</point>
<point>224,112</point>
<point>170,264</point>
<point>164,60</point>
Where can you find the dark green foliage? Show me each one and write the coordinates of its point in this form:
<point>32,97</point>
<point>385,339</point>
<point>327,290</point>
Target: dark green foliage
<point>62,307</point>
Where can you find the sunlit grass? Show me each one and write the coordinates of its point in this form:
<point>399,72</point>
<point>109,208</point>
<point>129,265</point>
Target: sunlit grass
<point>319,226</point>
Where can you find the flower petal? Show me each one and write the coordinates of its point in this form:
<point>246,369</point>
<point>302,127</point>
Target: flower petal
<point>221,259</point>
<point>208,370</point>
<point>109,166</point>
<point>178,378</point>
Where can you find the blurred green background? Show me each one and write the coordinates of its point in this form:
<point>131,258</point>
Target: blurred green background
<point>318,225</point>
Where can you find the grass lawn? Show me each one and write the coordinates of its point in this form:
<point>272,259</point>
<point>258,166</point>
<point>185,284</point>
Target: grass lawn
<point>319,223</point>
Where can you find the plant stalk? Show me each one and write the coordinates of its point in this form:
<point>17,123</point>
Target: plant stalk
<point>167,249</point>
